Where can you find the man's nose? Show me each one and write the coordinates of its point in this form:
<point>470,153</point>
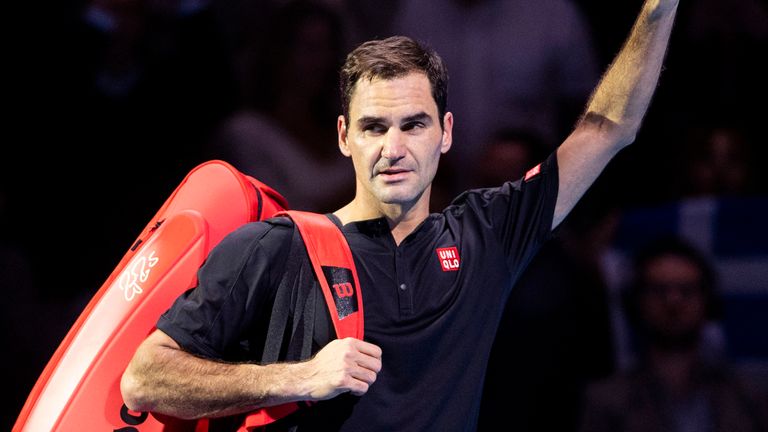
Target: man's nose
<point>394,145</point>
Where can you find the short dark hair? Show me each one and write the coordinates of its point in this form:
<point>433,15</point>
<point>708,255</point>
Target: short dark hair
<point>391,58</point>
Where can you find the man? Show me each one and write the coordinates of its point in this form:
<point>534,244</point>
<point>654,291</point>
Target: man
<point>429,324</point>
<point>679,384</point>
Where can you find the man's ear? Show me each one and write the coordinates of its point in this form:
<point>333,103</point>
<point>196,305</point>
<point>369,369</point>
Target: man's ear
<point>447,133</point>
<point>341,129</point>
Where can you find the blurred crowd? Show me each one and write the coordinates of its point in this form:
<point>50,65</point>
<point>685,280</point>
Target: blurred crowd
<point>647,312</point>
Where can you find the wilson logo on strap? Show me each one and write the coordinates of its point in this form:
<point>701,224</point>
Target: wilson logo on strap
<point>344,291</point>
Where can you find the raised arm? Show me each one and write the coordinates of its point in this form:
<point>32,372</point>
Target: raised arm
<point>617,106</point>
<point>165,379</point>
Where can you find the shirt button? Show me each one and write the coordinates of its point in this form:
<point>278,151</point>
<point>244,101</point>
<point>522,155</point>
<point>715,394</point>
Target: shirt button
<point>403,287</point>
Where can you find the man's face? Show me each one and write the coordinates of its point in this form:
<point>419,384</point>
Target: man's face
<point>394,138</point>
<point>673,301</point>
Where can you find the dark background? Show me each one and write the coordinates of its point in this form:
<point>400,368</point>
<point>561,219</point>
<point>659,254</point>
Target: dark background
<point>83,173</point>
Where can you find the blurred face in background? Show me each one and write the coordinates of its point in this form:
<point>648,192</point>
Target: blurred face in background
<point>720,164</point>
<point>672,301</point>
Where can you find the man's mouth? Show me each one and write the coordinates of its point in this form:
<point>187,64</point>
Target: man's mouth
<point>393,174</point>
<point>392,171</point>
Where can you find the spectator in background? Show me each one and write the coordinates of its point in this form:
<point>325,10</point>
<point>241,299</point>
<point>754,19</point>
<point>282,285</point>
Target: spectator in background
<point>720,162</point>
<point>281,135</point>
<point>720,208</point>
<point>514,64</point>
<point>709,190</point>
<point>676,386</point>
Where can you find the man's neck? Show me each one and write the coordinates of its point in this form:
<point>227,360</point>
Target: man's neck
<point>402,219</point>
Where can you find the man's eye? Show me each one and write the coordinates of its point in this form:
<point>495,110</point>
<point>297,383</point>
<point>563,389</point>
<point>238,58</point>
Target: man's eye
<point>375,128</point>
<point>412,125</point>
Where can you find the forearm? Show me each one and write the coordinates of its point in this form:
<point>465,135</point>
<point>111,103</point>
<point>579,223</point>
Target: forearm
<point>164,379</point>
<point>580,159</point>
<point>625,91</point>
<point>167,380</point>
<point>617,106</point>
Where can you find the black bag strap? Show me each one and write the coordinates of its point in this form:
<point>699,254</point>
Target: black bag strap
<point>284,304</point>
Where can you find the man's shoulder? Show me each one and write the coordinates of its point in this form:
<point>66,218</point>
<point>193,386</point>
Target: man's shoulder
<point>479,197</point>
<point>541,178</point>
<point>273,234</point>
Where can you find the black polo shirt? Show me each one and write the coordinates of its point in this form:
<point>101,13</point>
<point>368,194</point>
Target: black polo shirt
<point>432,304</point>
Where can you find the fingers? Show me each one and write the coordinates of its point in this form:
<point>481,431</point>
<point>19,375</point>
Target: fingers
<point>360,354</point>
<point>369,363</point>
<point>365,347</point>
<point>364,364</point>
<point>346,365</point>
<point>363,353</point>
<point>360,381</point>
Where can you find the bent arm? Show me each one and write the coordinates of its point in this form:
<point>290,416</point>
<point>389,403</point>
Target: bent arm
<point>617,107</point>
<point>163,378</point>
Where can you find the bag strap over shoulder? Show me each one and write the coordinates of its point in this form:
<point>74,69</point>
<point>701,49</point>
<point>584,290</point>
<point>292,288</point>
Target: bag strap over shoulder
<point>334,268</point>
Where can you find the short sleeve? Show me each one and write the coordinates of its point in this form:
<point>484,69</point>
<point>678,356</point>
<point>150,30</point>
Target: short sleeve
<point>519,213</point>
<point>235,287</point>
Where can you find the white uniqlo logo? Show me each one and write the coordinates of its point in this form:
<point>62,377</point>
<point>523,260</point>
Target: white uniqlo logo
<point>132,277</point>
<point>449,258</point>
